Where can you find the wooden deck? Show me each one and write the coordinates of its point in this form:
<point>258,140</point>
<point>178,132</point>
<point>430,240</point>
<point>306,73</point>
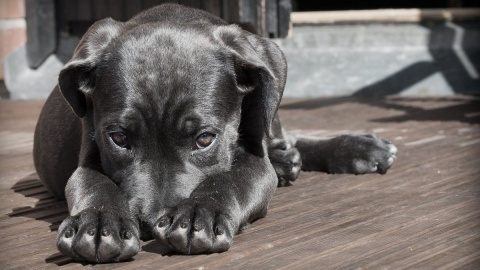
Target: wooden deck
<point>423,214</point>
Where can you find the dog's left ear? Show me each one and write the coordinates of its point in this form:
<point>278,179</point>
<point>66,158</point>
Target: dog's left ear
<point>260,70</point>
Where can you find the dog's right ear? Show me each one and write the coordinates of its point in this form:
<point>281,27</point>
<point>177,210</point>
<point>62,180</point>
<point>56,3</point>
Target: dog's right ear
<point>77,78</point>
<point>254,73</point>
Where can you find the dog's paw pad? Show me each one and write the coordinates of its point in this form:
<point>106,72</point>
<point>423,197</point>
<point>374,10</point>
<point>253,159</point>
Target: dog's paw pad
<point>286,161</point>
<point>97,236</point>
<point>384,153</point>
<point>361,154</point>
<point>194,228</point>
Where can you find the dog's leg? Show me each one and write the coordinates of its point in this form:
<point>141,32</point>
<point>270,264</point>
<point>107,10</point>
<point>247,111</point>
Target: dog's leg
<point>219,207</point>
<point>284,157</point>
<point>100,228</point>
<point>356,154</point>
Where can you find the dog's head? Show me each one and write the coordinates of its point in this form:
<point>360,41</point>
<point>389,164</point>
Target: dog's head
<point>166,101</point>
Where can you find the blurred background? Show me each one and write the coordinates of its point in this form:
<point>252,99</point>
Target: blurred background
<point>334,48</point>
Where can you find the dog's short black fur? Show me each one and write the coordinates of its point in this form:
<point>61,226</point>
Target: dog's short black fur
<point>165,126</point>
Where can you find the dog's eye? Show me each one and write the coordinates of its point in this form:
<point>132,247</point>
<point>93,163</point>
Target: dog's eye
<point>204,140</point>
<point>119,138</point>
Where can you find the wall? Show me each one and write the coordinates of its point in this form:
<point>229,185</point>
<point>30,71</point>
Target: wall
<point>12,28</point>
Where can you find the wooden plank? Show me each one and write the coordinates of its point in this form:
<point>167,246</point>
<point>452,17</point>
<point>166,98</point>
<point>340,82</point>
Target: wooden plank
<point>191,3</point>
<point>213,6</point>
<point>84,10</point>
<point>116,9</point>
<point>41,32</point>
<point>386,15</point>
<point>133,8</point>
<point>271,18</point>
<point>284,23</point>
<point>146,4</point>
<point>248,15</point>
<point>230,10</point>
<point>422,214</point>
<point>101,9</point>
<point>261,18</point>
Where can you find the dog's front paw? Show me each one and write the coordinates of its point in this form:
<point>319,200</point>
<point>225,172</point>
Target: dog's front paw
<point>98,236</point>
<point>195,227</point>
<point>361,154</point>
<point>285,160</point>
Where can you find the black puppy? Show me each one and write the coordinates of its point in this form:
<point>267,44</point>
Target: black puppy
<point>165,126</point>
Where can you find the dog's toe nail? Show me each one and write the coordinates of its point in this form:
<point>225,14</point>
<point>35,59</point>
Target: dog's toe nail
<point>127,235</point>
<point>198,227</point>
<point>105,233</point>
<point>162,223</point>
<point>219,231</point>
<point>91,231</point>
<point>69,233</point>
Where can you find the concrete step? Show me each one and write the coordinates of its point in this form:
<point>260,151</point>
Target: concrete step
<point>363,59</point>
<point>375,59</point>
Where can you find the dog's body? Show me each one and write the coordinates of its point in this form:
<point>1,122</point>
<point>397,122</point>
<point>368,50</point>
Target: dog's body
<point>166,126</point>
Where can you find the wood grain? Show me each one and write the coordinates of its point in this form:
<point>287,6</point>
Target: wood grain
<point>423,214</point>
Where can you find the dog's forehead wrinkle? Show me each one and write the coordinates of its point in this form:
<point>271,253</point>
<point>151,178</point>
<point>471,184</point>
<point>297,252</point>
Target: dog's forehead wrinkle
<point>164,54</point>
<point>159,86</point>
<point>155,65</point>
<point>165,42</point>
